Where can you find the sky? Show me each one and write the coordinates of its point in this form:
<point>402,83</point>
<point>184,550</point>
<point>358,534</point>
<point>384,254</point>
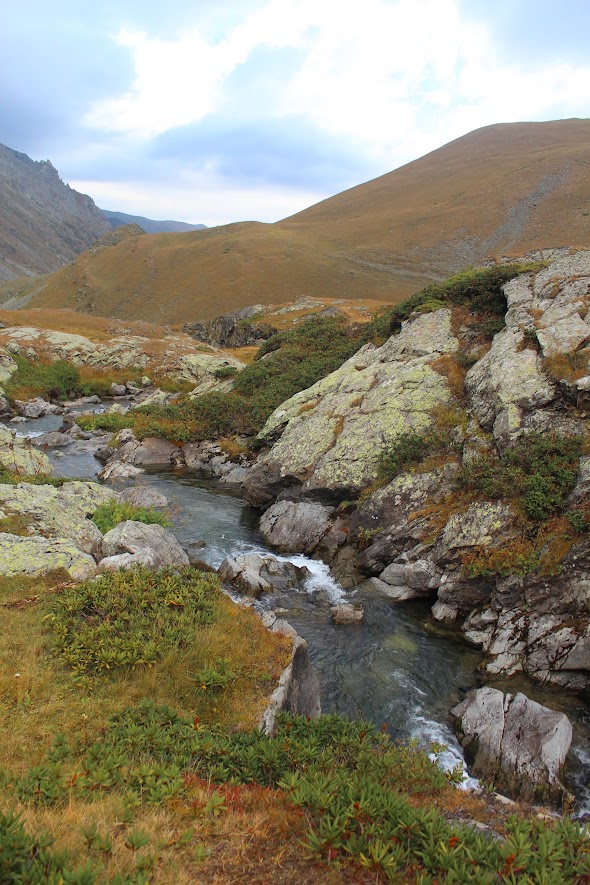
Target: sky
<point>214,111</point>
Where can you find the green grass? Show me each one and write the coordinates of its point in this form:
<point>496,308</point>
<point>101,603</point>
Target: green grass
<point>111,513</point>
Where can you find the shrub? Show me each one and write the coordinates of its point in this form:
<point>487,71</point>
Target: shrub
<point>111,513</point>
<point>409,448</point>
<point>129,618</point>
<point>55,380</point>
<point>538,470</point>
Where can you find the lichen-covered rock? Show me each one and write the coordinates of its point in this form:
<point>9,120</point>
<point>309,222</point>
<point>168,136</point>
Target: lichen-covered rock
<point>255,574</point>
<point>135,537</point>
<point>331,435</point>
<point>52,440</point>
<point>516,744</point>
<point>8,366</point>
<point>36,556</point>
<point>143,496</point>
<point>35,408</point>
<point>58,512</point>
<point>17,456</point>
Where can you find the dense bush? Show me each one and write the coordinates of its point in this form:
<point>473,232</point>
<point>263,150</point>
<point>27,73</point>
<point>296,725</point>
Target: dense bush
<point>538,470</point>
<point>410,448</point>
<point>111,513</point>
<point>129,618</point>
<point>50,380</point>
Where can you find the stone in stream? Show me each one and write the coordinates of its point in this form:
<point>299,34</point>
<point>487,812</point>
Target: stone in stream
<point>346,613</point>
<point>516,744</point>
<point>52,439</point>
<point>143,496</point>
<point>254,574</point>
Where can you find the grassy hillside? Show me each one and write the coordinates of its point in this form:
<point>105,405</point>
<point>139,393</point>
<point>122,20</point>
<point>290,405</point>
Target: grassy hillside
<point>502,190</point>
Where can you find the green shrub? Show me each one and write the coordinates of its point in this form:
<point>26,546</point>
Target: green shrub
<point>49,380</point>
<point>539,471</point>
<point>356,787</point>
<point>111,513</point>
<point>129,618</point>
<point>410,447</point>
<point>29,860</point>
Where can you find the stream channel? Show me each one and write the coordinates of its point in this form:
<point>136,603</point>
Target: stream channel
<point>395,669</point>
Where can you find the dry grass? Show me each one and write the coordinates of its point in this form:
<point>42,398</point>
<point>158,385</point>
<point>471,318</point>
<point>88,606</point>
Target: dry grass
<point>382,240</point>
<point>449,368</point>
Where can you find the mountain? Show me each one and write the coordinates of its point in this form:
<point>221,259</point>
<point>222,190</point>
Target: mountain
<point>506,189</point>
<point>44,223</point>
<point>116,219</point>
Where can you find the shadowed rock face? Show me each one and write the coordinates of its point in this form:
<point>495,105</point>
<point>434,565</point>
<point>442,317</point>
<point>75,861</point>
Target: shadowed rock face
<point>516,744</point>
<point>44,223</point>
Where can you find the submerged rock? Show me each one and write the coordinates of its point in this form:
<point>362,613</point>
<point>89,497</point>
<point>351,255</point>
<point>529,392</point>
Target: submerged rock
<point>516,744</point>
<point>346,613</point>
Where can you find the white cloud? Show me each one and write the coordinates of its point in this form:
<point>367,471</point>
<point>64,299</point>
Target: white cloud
<point>198,199</point>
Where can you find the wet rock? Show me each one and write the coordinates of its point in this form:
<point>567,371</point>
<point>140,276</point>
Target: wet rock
<point>136,538</point>
<point>35,408</point>
<point>36,556</point>
<point>118,389</point>
<point>254,574</point>
<point>118,471</point>
<point>517,745</point>
<point>295,526</point>
<point>52,439</point>
<point>346,613</point>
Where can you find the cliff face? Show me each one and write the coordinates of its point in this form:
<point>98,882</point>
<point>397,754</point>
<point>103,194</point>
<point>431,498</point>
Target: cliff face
<point>44,223</point>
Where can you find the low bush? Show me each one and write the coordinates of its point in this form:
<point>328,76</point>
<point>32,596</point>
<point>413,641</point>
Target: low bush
<point>130,618</point>
<point>538,471</point>
<point>57,380</point>
<point>410,448</point>
<point>111,513</point>
<point>366,800</point>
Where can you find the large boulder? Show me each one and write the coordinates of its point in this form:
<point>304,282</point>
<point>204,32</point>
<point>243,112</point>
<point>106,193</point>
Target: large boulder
<point>295,526</point>
<point>134,543</point>
<point>18,456</point>
<point>517,745</point>
<point>255,574</point>
<point>58,512</point>
<point>36,556</point>
<point>330,436</point>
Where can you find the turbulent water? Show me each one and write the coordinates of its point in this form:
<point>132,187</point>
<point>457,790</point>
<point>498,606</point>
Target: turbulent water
<point>394,669</point>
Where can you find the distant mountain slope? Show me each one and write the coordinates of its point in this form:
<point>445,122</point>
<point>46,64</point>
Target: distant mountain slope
<point>44,223</point>
<point>505,189</point>
<point>116,219</point>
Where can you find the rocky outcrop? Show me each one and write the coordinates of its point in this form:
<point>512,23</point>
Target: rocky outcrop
<point>134,543</point>
<point>328,439</point>
<point>174,356</point>
<point>240,328</point>
<point>515,744</point>
<point>36,556</point>
<point>18,456</point>
<point>59,513</point>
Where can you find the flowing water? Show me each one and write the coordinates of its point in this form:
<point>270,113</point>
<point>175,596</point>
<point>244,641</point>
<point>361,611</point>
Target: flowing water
<point>394,669</point>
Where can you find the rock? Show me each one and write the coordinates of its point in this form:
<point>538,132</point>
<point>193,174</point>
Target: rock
<point>442,611</point>
<point>295,527</point>
<point>8,366</point>
<point>330,436</point>
<point>254,574</point>
<point>17,456</point>
<point>298,690</point>
<point>149,452</point>
<point>61,513</point>
<point>244,579</point>
<point>116,470</point>
<point>143,496</point>
<point>52,439</point>
<point>35,408</point>
<point>231,329</point>
<point>36,556</point>
<point>345,613</point>
<point>118,389</point>
<point>145,381</point>
<point>5,407</point>
<point>517,745</point>
<point>135,537</point>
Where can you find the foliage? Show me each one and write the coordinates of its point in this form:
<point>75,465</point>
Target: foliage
<point>410,448</point>
<point>29,860</point>
<point>480,289</point>
<point>538,471</point>
<point>366,800</point>
<point>129,618</point>
<point>111,513</point>
<point>55,380</point>
<point>9,477</point>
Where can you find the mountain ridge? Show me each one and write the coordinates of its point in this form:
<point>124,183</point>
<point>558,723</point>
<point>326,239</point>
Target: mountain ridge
<point>505,189</point>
